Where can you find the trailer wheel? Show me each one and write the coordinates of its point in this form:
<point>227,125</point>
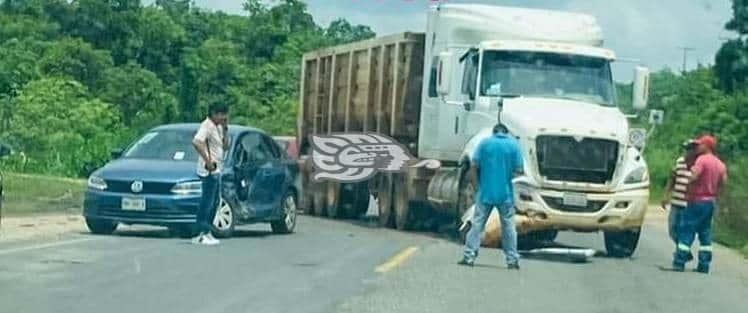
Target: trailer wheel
<point>401,202</point>
<point>384,195</point>
<point>319,199</point>
<point>332,200</point>
<point>353,199</point>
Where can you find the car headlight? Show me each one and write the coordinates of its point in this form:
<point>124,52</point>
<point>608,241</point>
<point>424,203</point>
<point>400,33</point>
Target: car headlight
<point>188,188</point>
<point>98,183</point>
<point>639,175</point>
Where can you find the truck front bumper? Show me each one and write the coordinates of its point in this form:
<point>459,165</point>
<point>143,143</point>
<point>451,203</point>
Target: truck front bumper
<point>545,209</point>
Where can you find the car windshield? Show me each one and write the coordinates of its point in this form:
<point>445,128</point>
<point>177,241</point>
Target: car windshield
<point>543,74</point>
<point>164,145</point>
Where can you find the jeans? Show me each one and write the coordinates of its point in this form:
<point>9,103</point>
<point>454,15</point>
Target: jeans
<point>674,217</point>
<point>508,231</point>
<point>209,202</point>
<point>696,219</point>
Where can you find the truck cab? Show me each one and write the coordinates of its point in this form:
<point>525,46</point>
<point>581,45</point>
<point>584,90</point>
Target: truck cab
<point>546,77</point>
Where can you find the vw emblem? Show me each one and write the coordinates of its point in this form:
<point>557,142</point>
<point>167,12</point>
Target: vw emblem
<point>137,186</point>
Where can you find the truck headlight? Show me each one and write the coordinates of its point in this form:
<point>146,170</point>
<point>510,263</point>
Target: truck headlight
<point>98,183</point>
<point>188,188</point>
<point>639,175</point>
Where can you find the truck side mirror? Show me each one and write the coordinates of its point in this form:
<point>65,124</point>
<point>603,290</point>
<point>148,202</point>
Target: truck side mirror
<point>444,73</point>
<point>641,88</point>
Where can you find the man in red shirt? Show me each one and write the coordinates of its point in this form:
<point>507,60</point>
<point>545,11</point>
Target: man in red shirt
<point>708,175</point>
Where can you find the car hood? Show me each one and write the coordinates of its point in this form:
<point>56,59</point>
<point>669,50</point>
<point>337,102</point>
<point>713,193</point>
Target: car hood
<point>148,170</point>
<point>538,116</point>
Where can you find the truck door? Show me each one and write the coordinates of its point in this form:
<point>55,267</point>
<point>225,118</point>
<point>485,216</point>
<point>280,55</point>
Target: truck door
<point>454,114</point>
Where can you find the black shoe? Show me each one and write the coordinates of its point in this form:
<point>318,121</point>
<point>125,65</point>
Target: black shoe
<point>466,262</point>
<point>513,266</point>
<point>702,270</point>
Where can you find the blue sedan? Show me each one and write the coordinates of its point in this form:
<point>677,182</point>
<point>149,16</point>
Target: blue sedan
<point>154,182</point>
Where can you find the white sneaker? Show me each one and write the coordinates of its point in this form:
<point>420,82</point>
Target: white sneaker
<point>209,240</point>
<point>198,239</point>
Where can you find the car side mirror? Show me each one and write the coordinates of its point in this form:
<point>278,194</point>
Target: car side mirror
<point>117,153</point>
<point>640,94</point>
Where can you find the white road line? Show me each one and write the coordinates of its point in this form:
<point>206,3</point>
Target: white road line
<point>47,245</point>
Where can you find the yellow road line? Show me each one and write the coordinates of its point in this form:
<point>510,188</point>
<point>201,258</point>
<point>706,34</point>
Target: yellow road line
<point>396,260</point>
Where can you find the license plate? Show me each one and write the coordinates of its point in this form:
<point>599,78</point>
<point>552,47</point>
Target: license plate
<point>133,204</point>
<point>575,199</point>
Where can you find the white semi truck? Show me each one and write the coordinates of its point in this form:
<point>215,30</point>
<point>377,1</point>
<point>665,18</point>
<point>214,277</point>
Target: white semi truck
<point>544,74</point>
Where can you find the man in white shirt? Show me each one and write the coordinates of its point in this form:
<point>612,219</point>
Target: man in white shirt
<point>210,142</point>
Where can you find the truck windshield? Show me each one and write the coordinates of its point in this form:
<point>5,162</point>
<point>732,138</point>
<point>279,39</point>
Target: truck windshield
<point>544,74</point>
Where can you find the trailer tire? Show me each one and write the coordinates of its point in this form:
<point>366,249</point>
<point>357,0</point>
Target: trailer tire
<point>384,196</point>
<point>621,244</point>
<point>401,202</point>
<point>353,199</point>
<point>319,199</point>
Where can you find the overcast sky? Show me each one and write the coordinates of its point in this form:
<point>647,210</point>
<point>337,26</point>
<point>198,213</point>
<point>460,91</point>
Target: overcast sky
<point>650,31</point>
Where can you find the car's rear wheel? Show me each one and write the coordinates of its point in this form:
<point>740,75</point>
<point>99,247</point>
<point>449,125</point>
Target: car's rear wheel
<point>224,220</point>
<point>287,222</point>
<point>101,226</point>
<point>622,244</point>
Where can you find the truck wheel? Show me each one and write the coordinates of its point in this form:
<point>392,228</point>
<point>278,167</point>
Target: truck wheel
<point>332,200</point>
<point>319,198</point>
<point>101,227</point>
<point>622,244</point>
<point>401,202</point>
<point>466,197</point>
<point>384,195</point>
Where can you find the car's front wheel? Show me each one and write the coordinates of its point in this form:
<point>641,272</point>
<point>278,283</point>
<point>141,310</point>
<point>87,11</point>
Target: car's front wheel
<point>100,226</point>
<point>287,222</point>
<point>224,220</point>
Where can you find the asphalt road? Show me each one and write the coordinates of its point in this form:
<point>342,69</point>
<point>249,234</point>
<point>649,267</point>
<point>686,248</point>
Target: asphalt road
<point>334,266</point>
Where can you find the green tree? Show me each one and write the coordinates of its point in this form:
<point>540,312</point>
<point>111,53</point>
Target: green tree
<point>141,97</point>
<point>77,60</point>
<point>77,129</point>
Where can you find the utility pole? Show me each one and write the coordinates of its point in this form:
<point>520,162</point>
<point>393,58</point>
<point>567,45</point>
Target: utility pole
<point>685,56</point>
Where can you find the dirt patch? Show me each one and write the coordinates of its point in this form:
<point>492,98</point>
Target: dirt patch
<point>40,226</point>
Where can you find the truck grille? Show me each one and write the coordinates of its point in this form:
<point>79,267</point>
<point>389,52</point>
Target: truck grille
<point>558,204</point>
<point>563,158</point>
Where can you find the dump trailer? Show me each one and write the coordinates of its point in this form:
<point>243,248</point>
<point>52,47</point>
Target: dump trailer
<point>544,74</point>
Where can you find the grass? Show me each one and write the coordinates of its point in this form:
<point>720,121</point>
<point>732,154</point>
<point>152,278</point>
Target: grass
<point>34,194</point>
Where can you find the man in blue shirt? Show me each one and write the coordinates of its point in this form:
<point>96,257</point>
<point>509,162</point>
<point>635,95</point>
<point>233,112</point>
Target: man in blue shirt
<point>496,159</point>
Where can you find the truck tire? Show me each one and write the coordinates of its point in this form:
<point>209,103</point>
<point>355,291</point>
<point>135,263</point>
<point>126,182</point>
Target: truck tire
<point>466,197</point>
<point>353,199</point>
<point>401,202</point>
<point>332,200</point>
<point>319,198</point>
<point>621,244</point>
<point>384,196</point>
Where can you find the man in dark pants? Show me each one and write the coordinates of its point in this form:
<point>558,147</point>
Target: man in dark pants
<point>677,188</point>
<point>496,160</point>
<point>708,175</point>
<point>210,142</point>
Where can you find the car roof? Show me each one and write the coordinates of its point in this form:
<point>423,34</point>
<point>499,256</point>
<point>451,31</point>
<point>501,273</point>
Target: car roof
<point>233,129</point>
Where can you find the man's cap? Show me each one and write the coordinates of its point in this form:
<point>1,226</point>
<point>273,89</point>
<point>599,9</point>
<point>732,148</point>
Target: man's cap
<point>708,141</point>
